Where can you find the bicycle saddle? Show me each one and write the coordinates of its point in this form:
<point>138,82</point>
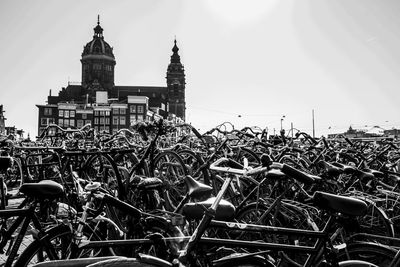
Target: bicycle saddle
<point>275,174</point>
<point>345,205</point>
<point>45,189</point>
<point>225,210</point>
<point>195,188</point>
<point>330,169</point>
<point>347,169</point>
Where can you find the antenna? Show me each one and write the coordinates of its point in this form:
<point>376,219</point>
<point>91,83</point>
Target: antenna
<point>313,125</point>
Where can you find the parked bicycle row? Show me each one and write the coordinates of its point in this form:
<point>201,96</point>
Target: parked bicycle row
<point>166,195</point>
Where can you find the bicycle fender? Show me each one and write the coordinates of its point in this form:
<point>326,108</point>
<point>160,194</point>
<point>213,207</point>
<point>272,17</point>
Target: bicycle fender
<point>356,263</point>
<point>153,260</point>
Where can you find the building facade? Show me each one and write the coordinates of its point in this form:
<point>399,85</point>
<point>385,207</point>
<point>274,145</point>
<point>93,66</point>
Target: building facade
<point>109,107</point>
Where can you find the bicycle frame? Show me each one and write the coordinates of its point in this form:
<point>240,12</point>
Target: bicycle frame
<point>185,257</point>
<point>25,217</point>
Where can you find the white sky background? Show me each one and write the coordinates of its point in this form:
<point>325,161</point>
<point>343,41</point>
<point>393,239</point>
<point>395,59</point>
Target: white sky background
<point>259,59</point>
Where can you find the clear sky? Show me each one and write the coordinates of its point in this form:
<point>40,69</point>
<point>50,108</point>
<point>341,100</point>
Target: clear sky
<point>249,62</point>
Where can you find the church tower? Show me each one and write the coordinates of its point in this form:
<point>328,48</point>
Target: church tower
<point>176,84</point>
<point>98,62</point>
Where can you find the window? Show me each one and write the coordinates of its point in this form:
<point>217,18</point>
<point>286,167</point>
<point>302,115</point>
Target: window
<point>115,120</point>
<point>51,120</point>
<point>133,108</point>
<point>107,120</point>
<point>79,123</point>
<point>66,114</point>
<point>43,121</point>
<point>122,111</point>
<point>122,120</point>
<point>61,113</point>
<point>88,122</point>
<point>101,113</point>
<point>140,117</point>
<point>96,113</point>
<point>72,123</point>
<point>96,120</point>
<point>115,111</point>
<point>84,116</point>
<point>72,114</point>
<point>140,109</point>
<point>60,122</point>
<point>104,129</point>
<point>97,66</point>
<point>48,111</point>
<point>101,120</point>
<point>133,119</point>
<point>107,112</point>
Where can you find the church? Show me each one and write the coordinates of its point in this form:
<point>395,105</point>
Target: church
<point>109,107</point>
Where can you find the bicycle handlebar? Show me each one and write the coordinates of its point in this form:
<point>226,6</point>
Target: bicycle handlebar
<point>286,169</point>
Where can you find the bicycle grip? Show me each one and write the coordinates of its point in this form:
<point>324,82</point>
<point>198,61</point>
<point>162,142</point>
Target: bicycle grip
<point>196,133</point>
<point>296,174</point>
<point>348,141</point>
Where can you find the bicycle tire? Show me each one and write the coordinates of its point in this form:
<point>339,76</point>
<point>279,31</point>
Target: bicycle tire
<point>252,214</point>
<point>193,161</point>
<point>129,160</point>
<point>353,263</point>
<point>14,178</point>
<point>45,244</point>
<point>375,221</point>
<point>123,262</point>
<point>170,168</point>
<point>372,252</point>
<point>106,172</point>
<point>252,158</point>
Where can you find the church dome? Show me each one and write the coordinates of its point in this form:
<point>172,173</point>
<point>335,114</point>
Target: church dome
<point>98,48</point>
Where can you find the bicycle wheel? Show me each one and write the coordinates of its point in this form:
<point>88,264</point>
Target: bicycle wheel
<point>380,255</point>
<point>129,160</point>
<point>14,177</point>
<point>54,245</point>
<point>170,168</point>
<point>242,152</point>
<point>193,162</point>
<point>375,222</point>
<point>284,214</point>
<point>102,168</point>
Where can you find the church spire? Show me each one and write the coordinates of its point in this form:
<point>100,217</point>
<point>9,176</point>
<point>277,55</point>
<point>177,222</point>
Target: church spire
<point>176,84</point>
<point>98,30</point>
<point>175,58</point>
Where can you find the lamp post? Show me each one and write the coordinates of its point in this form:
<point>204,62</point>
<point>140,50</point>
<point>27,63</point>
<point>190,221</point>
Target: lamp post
<point>282,121</point>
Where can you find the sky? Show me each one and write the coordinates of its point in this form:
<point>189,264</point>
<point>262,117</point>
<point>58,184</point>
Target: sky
<point>252,62</point>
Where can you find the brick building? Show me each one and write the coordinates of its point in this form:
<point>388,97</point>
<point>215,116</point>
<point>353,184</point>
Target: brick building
<point>109,107</point>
